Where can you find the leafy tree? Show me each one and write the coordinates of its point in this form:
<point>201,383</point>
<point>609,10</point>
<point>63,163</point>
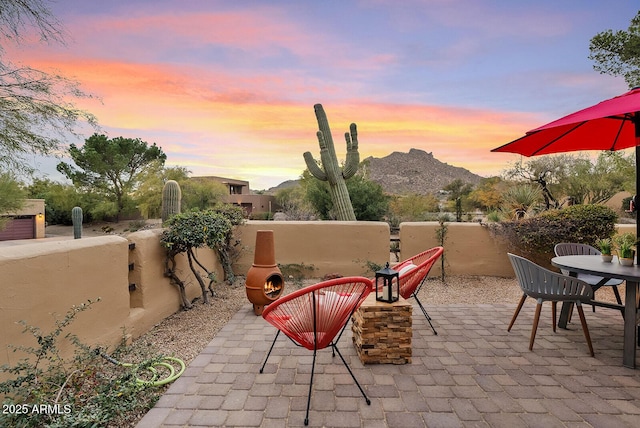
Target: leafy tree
<point>618,53</point>
<point>202,194</point>
<point>148,194</point>
<point>458,195</point>
<point>294,203</point>
<point>36,111</point>
<point>576,176</point>
<point>60,200</point>
<point>413,207</point>
<point>487,195</point>
<point>367,197</point>
<point>11,196</point>
<point>598,182</point>
<point>112,168</point>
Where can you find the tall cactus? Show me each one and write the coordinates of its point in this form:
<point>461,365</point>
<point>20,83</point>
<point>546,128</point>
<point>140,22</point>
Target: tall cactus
<point>171,199</point>
<point>76,219</point>
<point>330,170</point>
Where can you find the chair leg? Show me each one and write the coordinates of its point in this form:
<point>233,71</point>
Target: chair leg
<point>585,329</point>
<point>313,368</point>
<point>515,314</point>
<point>352,375</point>
<point>534,329</point>
<point>424,311</point>
<point>554,306</point>
<point>269,353</point>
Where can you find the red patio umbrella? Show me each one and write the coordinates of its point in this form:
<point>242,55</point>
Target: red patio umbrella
<point>613,124</point>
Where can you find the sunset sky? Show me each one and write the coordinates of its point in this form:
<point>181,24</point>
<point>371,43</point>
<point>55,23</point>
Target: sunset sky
<point>227,88</point>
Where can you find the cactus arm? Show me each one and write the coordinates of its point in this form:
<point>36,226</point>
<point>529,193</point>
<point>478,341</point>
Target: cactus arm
<point>353,157</point>
<point>313,167</point>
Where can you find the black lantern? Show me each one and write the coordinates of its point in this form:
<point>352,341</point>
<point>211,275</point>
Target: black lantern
<point>389,290</point>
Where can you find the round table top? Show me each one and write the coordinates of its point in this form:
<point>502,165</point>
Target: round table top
<point>594,265</point>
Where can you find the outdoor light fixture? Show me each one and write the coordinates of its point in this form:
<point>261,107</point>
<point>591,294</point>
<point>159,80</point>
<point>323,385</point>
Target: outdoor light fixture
<point>389,290</point>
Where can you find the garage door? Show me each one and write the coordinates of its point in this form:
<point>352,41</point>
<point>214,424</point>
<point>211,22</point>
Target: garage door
<point>23,227</point>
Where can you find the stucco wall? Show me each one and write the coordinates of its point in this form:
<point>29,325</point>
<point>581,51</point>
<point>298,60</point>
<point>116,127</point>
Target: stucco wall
<point>45,278</point>
<point>469,248</point>
<point>154,297</point>
<point>330,247</point>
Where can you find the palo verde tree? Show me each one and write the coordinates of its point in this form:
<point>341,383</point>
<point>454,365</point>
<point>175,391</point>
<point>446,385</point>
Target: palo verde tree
<point>37,112</point>
<point>112,167</point>
<point>618,53</point>
<point>11,196</point>
<point>187,232</point>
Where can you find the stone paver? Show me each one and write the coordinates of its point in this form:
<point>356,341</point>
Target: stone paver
<point>473,373</point>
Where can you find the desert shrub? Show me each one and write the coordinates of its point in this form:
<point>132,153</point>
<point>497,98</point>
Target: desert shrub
<point>261,216</point>
<point>45,389</point>
<point>535,237</point>
<point>296,272</point>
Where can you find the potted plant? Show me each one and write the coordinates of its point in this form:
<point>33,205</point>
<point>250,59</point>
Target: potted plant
<point>605,245</point>
<point>625,243</point>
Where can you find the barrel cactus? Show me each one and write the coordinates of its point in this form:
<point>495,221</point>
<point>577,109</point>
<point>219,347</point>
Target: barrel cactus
<point>171,199</point>
<point>76,219</point>
<point>330,170</point>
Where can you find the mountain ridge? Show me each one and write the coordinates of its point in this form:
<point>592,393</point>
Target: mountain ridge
<point>416,171</point>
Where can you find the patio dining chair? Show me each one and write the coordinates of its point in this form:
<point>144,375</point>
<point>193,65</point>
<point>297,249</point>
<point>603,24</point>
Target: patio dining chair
<point>545,285</point>
<point>413,274</point>
<point>572,249</point>
<point>315,317</point>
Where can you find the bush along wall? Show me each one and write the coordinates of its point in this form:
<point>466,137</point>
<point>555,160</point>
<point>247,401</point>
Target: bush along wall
<point>535,237</point>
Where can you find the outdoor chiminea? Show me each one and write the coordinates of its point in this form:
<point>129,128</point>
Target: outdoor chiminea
<point>264,282</point>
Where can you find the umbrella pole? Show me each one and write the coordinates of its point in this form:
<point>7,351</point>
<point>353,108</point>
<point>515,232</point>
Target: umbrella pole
<point>636,121</point>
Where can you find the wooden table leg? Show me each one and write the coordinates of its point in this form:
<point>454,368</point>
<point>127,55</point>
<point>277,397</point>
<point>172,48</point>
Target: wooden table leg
<point>630,317</point>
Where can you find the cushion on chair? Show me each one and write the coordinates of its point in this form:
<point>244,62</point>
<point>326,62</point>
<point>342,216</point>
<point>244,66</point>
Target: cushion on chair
<point>407,268</point>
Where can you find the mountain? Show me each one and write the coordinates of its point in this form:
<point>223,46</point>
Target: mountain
<point>414,172</point>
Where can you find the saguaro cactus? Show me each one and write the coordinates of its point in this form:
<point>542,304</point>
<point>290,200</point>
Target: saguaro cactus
<point>171,199</point>
<point>330,170</point>
<point>76,219</point>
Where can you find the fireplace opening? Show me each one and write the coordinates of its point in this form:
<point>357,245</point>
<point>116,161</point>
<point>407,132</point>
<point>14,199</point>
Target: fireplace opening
<point>273,286</point>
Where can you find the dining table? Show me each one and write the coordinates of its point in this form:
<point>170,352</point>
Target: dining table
<point>594,265</point>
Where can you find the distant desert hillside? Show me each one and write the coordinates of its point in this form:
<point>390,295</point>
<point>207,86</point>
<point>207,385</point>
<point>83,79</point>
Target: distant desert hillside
<point>402,173</point>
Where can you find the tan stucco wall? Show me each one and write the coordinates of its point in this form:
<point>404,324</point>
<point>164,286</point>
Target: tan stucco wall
<point>469,248</point>
<point>49,276</point>
<point>155,298</point>
<point>45,278</point>
<point>331,247</point>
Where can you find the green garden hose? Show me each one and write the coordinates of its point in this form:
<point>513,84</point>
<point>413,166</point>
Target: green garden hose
<point>164,364</point>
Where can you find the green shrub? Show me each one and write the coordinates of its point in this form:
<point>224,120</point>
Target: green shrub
<point>296,272</point>
<point>535,237</point>
<point>84,390</point>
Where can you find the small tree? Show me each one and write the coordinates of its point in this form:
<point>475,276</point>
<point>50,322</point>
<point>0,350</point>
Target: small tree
<point>111,167</point>
<point>618,53</point>
<point>189,231</point>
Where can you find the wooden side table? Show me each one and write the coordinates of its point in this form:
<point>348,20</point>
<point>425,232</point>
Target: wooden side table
<point>382,331</point>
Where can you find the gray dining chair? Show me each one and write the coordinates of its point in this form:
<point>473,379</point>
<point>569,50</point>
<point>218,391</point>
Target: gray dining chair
<point>545,285</point>
<point>572,249</point>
